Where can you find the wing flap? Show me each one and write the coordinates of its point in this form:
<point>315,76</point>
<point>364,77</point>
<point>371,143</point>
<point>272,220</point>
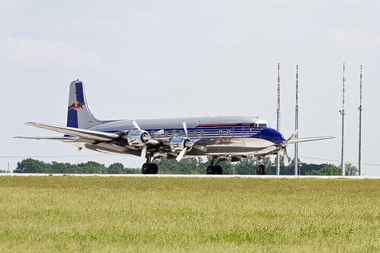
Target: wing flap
<point>77,132</point>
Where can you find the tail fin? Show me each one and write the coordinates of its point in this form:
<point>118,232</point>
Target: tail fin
<point>79,114</point>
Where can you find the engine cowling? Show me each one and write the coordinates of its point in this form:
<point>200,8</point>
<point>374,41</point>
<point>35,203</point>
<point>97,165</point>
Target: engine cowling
<point>137,138</point>
<point>177,144</point>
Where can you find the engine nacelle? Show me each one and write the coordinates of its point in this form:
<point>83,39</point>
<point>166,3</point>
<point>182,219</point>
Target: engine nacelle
<point>177,144</point>
<point>137,138</point>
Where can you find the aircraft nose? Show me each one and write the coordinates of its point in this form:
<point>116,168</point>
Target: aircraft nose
<point>272,135</point>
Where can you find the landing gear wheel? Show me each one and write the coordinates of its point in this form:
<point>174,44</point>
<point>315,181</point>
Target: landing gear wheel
<point>149,168</point>
<point>261,170</point>
<point>218,170</point>
<point>154,168</point>
<point>210,170</point>
<point>145,168</point>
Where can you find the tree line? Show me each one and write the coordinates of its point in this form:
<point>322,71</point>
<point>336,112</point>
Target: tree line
<point>185,166</point>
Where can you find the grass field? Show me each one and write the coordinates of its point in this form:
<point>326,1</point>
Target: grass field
<point>150,214</point>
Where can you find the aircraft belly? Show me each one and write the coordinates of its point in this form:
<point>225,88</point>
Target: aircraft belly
<point>244,146</point>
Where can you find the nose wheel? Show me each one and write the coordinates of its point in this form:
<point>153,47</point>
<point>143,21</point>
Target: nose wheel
<point>260,170</point>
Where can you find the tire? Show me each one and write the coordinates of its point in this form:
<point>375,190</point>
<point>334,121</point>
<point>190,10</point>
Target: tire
<point>210,170</point>
<point>218,170</point>
<point>146,168</point>
<point>261,170</point>
<point>154,168</point>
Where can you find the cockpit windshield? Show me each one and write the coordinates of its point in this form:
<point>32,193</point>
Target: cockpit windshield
<point>251,126</point>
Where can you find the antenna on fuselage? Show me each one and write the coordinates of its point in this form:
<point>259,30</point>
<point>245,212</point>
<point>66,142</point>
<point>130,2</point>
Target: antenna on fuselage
<point>278,118</point>
<point>296,128</point>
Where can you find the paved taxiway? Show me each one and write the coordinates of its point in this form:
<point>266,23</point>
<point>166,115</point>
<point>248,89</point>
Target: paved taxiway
<point>178,175</point>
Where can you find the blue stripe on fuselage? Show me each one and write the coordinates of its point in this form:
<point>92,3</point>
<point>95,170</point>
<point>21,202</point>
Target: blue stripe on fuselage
<point>268,134</point>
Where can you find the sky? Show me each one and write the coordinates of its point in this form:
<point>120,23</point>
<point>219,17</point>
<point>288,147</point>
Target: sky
<point>168,59</point>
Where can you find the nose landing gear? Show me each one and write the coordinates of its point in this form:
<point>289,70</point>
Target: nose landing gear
<point>260,168</point>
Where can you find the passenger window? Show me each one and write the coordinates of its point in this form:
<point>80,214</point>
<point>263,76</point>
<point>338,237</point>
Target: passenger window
<point>220,132</point>
<point>202,132</point>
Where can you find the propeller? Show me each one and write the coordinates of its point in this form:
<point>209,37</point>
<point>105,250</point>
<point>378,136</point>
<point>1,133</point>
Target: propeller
<point>188,144</point>
<point>145,137</point>
<point>284,144</point>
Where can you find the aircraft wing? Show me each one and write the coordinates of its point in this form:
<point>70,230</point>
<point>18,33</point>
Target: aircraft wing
<point>76,132</point>
<point>272,150</point>
<point>297,140</point>
<point>64,138</point>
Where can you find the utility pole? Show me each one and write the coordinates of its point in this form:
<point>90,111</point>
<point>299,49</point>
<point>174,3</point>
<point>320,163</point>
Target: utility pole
<point>296,128</point>
<point>342,112</point>
<point>360,125</point>
<point>278,118</point>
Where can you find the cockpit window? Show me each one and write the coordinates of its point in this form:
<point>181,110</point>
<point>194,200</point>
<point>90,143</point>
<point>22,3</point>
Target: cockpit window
<point>262,125</point>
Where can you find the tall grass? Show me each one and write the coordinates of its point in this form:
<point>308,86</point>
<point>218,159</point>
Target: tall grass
<point>152,214</point>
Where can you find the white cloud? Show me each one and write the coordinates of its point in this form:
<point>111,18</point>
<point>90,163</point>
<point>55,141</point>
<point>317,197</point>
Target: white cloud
<point>43,53</point>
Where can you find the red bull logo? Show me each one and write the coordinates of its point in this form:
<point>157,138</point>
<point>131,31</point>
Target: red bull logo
<point>75,106</point>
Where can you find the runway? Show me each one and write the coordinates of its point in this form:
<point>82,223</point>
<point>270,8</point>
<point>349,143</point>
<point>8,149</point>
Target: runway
<point>181,175</point>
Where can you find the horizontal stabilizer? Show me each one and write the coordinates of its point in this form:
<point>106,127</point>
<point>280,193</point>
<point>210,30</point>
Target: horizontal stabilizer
<point>77,132</point>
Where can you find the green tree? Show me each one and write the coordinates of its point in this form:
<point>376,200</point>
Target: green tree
<point>351,170</point>
<point>32,166</point>
<point>246,166</point>
<point>91,168</point>
<point>327,169</point>
<point>115,168</point>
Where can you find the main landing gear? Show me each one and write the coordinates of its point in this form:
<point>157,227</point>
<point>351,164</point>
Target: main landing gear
<point>149,167</point>
<point>260,168</point>
<point>214,168</point>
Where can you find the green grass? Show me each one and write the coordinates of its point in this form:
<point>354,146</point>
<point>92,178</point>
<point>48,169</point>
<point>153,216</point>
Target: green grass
<point>151,214</point>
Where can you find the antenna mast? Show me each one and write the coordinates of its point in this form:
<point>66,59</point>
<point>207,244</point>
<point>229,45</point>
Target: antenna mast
<point>342,112</point>
<point>296,128</point>
<point>360,125</point>
<point>278,117</point>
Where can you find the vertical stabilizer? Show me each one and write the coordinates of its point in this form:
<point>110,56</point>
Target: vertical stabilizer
<point>79,114</point>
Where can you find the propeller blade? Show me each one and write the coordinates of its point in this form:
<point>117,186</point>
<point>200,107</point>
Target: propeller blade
<point>180,156</point>
<point>136,125</point>
<point>158,133</point>
<point>294,134</point>
<point>185,128</point>
<point>286,161</point>
<point>143,150</point>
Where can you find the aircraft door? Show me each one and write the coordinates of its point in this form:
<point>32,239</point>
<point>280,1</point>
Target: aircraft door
<point>238,130</point>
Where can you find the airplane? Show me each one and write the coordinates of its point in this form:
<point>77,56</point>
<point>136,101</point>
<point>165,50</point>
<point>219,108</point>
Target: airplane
<point>221,137</point>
